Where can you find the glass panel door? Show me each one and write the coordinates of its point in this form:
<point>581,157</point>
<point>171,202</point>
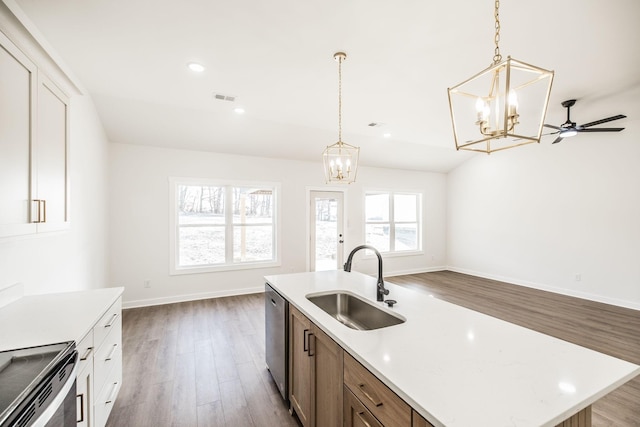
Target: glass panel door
<point>326,219</point>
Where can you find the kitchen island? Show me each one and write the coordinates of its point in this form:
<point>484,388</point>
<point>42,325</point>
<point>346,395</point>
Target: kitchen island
<point>457,367</point>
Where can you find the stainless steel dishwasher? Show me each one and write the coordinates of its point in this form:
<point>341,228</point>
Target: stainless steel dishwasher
<point>277,338</point>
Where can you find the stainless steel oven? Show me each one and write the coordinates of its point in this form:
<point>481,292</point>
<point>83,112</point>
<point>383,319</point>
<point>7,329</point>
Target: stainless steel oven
<point>38,386</point>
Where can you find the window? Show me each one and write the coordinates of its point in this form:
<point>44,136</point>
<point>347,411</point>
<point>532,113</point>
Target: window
<point>223,226</point>
<point>393,221</point>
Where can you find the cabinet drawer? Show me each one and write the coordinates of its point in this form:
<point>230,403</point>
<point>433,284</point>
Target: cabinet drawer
<point>105,399</point>
<point>107,322</point>
<point>107,356</point>
<point>356,414</point>
<point>85,351</point>
<point>383,403</point>
<point>419,421</point>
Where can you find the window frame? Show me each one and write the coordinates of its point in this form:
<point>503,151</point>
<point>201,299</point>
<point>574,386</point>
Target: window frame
<point>392,252</point>
<point>229,225</point>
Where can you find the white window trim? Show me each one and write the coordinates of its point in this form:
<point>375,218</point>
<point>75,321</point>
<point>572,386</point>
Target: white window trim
<point>419,222</point>
<point>174,269</point>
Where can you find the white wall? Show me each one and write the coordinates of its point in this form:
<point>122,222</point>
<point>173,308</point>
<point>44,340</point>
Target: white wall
<point>74,259</point>
<point>139,219</point>
<point>542,214</point>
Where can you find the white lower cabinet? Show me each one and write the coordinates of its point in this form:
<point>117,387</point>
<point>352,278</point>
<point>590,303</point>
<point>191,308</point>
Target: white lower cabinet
<point>100,368</point>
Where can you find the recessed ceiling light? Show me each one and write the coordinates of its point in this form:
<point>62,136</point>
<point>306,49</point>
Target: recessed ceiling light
<point>387,135</point>
<point>194,66</point>
<point>239,110</point>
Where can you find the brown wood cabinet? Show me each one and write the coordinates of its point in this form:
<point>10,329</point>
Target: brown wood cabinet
<point>381,401</point>
<point>418,421</point>
<point>356,414</point>
<point>315,373</point>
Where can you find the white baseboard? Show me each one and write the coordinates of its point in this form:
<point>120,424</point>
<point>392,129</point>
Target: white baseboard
<point>542,287</point>
<point>190,297</point>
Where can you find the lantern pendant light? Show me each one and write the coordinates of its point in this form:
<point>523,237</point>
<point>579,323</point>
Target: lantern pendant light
<point>501,107</point>
<point>340,159</point>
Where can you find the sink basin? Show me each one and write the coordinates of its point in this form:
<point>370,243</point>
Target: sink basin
<point>354,312</point>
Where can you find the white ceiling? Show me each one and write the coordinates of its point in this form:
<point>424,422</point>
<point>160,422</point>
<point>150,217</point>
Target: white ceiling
<point>276,57</point>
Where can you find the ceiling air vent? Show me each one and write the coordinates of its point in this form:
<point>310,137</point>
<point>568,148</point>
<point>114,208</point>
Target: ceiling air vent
<point>222,97</point>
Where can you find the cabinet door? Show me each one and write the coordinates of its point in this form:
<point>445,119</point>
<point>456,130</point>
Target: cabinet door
<point>84,403</point>
<point>17,100</point>
<point>326,374</point>
<point>299,365</point>
<point>52,157</point>
<point>356,414</point>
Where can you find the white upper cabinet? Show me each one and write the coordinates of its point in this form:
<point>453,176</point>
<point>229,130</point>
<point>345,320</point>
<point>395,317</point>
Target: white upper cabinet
<point>34,182</point>
<point>52,175</point>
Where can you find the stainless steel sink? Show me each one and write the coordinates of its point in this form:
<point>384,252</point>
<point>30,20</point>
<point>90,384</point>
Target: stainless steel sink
<point>354,312</point>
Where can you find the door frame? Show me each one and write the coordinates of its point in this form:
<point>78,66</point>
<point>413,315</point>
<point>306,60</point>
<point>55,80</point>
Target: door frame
<point>345,220</point>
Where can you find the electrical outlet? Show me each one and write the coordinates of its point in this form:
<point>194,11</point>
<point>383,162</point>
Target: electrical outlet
<point>578,277</point>
<point>147,283</point>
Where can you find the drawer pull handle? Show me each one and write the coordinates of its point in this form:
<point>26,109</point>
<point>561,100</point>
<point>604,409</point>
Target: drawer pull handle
<point>81,407</point>
<point>360,415</point>
<point>371,396</point>
<point>86,354</point>
<point>111,353</point>
<point>112,396</point>
<point>112,321</point>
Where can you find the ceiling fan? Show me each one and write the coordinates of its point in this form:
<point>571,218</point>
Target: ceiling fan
<point>570,128</point>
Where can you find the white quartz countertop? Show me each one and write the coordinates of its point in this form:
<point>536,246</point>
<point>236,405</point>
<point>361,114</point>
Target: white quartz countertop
<point>458,367</point>
<point>51,318</point>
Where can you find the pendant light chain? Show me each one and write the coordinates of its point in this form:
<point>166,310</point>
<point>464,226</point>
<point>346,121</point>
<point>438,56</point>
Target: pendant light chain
<point>496,56</point>
<point>340,99</point>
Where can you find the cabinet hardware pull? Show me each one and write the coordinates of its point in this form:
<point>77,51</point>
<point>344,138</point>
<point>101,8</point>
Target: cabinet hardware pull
<point>360,415</point>
<point>305,344</point>
<point>81,396</point>
<point>314,343</point>
<point>111,353</point>
<point>113,319</point>
<point>41,211</point>
<point>371,396</point>
<point>87,353</point>
<point>112,396</point>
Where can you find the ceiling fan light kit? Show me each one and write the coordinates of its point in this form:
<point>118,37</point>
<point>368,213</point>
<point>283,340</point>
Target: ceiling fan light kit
<point>340,159</point>
<point>501,107</point>
<point>569,128</point>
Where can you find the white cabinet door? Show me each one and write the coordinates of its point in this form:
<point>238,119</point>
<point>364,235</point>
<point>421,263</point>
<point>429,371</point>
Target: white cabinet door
<point>34,147</point>
<point>52,157</point>
<point>17,100</point>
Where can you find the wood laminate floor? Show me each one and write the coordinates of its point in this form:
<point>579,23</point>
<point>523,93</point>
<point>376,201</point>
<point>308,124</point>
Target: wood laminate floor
<point>201,363</point>
<point>197,364</point>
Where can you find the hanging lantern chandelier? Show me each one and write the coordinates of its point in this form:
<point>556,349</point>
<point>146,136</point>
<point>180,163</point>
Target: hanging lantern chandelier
<point>340,159</point>
<point>501,107</point>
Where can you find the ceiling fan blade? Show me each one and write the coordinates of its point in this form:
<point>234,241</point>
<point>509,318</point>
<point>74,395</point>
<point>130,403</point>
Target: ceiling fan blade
<point>608,119</point>
<point>552,126</point>
<point>601,130</point>
<point>558,139</point>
